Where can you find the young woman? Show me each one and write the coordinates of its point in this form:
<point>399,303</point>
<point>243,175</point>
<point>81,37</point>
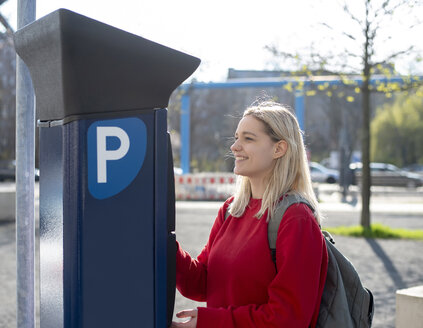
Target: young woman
<point>235,273</point>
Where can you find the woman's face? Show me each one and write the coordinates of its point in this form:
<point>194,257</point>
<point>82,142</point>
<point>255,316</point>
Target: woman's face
<point>254,151</point>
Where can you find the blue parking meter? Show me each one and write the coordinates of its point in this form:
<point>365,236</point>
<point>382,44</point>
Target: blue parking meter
<point>107,242</point>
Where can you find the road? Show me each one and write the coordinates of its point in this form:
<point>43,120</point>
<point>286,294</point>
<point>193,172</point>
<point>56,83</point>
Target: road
<point>384,265</point>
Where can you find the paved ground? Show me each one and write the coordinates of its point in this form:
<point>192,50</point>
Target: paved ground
<point>384,265</point>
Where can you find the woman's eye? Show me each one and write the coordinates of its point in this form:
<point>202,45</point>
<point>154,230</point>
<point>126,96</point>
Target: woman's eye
<point>243,138</point>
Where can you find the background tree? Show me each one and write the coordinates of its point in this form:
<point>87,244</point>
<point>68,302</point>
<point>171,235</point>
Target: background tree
<point>397,131</point>
<point>370,30</point>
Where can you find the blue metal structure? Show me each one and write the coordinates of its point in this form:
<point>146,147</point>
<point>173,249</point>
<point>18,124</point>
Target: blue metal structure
<point>299,108</point>
<point>185,126</point>
<point>107,241</point>
<point>305,82</point>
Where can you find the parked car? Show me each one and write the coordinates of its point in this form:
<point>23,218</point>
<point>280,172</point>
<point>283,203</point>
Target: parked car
<point>319,173</point>
<point>8,171</point>
<point>384,174</point>
<point>414,168</point>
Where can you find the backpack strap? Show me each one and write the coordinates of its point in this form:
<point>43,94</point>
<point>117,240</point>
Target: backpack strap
<point>328,236</point>
<point>275,220</point>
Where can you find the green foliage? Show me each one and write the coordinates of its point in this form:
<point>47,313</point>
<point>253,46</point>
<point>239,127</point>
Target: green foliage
<point>377,230</point>
<point>397,131</point>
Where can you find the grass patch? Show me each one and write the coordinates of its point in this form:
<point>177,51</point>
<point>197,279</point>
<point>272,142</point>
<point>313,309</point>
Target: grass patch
<point>377,230</point>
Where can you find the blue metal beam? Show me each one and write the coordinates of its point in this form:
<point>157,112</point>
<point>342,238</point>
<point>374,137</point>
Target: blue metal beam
<point>299,108</point>
<point>277,82</point>
<point>185,133</point>
<point>268,83</point>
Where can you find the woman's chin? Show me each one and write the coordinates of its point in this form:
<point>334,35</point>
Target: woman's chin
<point>238,172</point>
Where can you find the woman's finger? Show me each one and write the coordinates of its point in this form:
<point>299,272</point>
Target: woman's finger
<point>187,313</point>
<point>188,324</point>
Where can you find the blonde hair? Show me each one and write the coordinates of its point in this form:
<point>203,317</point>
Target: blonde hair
<point>291,173</point>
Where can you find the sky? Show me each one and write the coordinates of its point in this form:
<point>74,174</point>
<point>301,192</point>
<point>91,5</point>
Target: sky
<point>233,33</point>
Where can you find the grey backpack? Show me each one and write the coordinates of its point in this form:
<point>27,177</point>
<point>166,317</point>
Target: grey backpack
<point>345,302</point>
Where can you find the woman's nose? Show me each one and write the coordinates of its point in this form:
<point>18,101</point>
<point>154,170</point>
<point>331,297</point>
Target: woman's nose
<point>235,146</point>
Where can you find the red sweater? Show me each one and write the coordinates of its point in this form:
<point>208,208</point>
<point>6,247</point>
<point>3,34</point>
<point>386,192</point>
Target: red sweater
<point>235,273</point>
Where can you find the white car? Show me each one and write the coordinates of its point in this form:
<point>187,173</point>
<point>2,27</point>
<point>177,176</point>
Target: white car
<point>384,174</point>
<point>320,173</point>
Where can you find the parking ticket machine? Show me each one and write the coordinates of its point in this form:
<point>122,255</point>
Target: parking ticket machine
<point>107,242</point>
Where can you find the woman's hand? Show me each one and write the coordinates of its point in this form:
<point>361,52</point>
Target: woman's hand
<point>191,323</point>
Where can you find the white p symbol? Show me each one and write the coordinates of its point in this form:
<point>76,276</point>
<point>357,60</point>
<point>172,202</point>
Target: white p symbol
<point>104,155</point>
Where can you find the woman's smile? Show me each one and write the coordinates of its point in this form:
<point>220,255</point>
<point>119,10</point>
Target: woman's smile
<point>240,158</point>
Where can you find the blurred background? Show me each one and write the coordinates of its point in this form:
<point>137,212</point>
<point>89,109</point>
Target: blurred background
<point>271,40</point>
<point>322,52</point>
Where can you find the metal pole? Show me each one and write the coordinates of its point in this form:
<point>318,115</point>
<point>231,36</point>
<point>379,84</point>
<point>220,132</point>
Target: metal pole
<point>185,133</point>
<point>25,174</point>
<point>299,108</point>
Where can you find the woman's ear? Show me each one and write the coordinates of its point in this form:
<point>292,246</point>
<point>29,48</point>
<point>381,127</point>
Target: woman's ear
<point>280,149</point>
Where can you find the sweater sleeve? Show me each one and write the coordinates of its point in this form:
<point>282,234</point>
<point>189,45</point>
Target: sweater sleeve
<point>191,274</point>
<point>295,292</point>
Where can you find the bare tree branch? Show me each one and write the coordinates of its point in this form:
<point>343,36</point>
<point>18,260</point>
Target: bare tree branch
<point>399,4</point>
<point>382,9</point>
<point>342,32</point>
<point>349,13</point>
<point>395,55</point>
<point>4,22</point>
<point>350,54</point>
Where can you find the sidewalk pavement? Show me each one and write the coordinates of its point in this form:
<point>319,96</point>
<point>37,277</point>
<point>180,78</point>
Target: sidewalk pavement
<point>384,265</point>
<point>387,200</point>
<point>375,207</point>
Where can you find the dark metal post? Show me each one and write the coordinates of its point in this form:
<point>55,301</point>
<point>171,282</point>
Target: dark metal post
<point>25,163</point>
